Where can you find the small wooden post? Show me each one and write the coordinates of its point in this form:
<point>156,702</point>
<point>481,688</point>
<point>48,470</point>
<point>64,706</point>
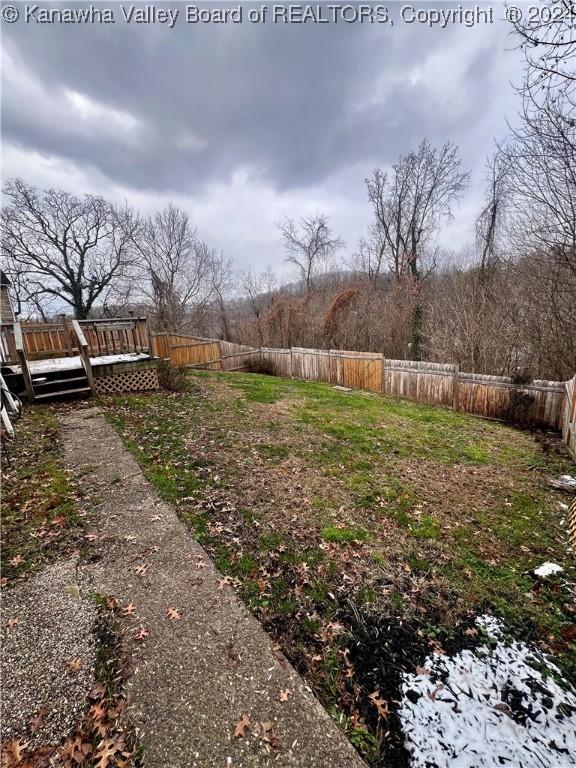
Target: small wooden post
<point>383,385</point>
<point>21,353</point>
<point>69,350</point>
<point>455,388</point>
<point>149,334</point>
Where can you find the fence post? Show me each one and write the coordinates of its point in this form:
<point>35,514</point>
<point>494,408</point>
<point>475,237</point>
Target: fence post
<point>455,385</point>
<point>383,385</point>
<point>149,335</point>
<point>291,364</point>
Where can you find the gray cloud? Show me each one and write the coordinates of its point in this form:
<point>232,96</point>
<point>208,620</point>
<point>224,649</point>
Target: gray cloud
<point>293,108</point>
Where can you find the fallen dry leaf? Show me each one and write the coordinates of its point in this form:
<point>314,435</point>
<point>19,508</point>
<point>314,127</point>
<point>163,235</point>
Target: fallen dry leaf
<point>141,569</point>
<point>503,707</point>
<point>75,749</point>
<point>380,704</point>
<point>15,749</point>
<point>98,711</point>
<point>173,614</point>
<point>16,560</point>
<point>224,582</point>
<point>436,648</point>
<point>422,671</point>
<point>129,609</point>
<point>240,727</point>
<point>432,694</point>
<point>264,731</point>
<point>11,623</point>
<point>106,751</point>
<point>285,694</point>
<point>98,691</point>
<point>73,666</point>
<point>471,632</point>
<point>143,633</point>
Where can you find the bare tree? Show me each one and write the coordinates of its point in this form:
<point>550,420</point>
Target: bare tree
<point>542,184</point>
<point>547,34</point>
<point>177,267</point>
<point>309,245</point>
<point>491,219</point>
<point>221,278</point>
<point>541,153</point>
<point>257,290</point>
<point>408,206</point>
<point>63,249</point>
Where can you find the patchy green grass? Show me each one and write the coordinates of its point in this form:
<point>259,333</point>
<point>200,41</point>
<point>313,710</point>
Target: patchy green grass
<point>343,535</point>
<point>315,500</point>
<point>39,517</point>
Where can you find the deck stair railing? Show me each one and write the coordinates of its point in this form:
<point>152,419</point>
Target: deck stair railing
<point>82,345</point>
<point>22,359</point>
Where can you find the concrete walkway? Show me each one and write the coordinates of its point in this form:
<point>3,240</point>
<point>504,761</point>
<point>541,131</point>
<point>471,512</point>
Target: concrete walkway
<point>194,675</point>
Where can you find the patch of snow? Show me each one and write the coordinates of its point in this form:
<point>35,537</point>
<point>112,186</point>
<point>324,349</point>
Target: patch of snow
<point>491,625</point>
<point>489,707</point>
<point>54,364</point>
<point>125,357</point>
<point>547,569</point>
<point>568,480</point>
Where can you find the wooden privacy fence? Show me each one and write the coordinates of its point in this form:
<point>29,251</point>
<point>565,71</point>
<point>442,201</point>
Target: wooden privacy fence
<point>355,369</point>
<point>239,357</point>
<point>430,383</point>
<point>569,418</point>
<point>187,351</point>
<point>537,403</point>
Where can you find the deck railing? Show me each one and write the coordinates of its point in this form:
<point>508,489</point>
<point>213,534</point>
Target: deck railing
<point>116,336</point>
<point>110,336</point>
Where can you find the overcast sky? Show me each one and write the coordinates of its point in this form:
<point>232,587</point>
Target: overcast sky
<point>241,124</point>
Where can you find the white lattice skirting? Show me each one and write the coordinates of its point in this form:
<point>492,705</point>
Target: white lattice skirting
<point>129,381</point>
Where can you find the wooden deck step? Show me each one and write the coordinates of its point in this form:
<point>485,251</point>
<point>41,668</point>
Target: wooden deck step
<point>62,392</point>
<point>43,382</point>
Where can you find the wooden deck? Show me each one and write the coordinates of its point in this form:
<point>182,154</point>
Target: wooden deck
<point>78,357</point>
<point>61,364</point>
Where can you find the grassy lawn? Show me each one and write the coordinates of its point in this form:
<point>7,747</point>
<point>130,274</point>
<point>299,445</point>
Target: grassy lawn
<point>364,532</point>
<point>39,517</point>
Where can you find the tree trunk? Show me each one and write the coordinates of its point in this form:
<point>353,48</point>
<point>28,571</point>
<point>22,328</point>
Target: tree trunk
<point>417,331</point>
